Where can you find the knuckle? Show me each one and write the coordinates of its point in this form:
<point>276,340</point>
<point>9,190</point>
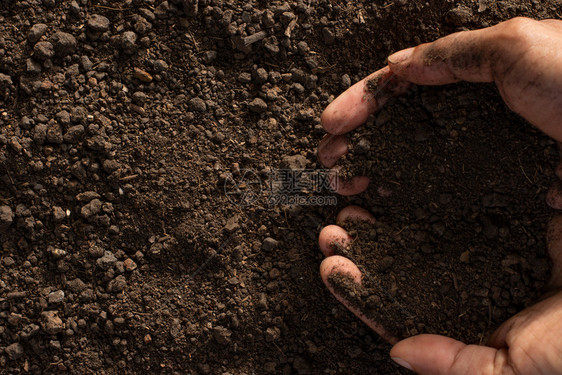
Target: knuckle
<point>509,44</point>
<point>518,21</point>
<point>518,27</point>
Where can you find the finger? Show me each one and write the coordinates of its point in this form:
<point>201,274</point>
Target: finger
<point>554,244</point>
<point>353,186</point>
<point>436,355</point>
<point>340,265</point>
<point>354,213</point>
<point>554,195</point>
<point>521,55</point>
<point>357,103</point>
<point>461,56</point>
<point>331,148</point>
<point>331,237</point>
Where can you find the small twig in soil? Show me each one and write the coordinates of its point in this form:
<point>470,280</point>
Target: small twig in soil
<point>401,230</point>
<point>523,170</point>
<point>111,8</point>
<point>278,348</point>
<point>10,177</point>
<point>194,41</point>
<point>271,64</point>
<point>455,283</point>
<point>128,178</point>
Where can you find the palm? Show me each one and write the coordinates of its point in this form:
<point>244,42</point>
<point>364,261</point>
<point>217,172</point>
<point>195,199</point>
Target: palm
<point>532,339</point>
<point>523,58</point>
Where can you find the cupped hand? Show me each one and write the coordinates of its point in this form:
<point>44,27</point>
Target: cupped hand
<point>522,56</point>
<point>530,343</point>
<point>524,59</point>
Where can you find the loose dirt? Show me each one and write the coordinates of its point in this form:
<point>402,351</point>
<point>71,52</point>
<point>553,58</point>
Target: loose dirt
<point>121,123</point>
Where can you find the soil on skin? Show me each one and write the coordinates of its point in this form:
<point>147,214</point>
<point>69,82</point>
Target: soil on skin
<point>459,245</point>
<point>121,123</point>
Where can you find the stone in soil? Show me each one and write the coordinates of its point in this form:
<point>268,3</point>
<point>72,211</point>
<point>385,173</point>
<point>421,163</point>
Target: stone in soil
<point>43,50</point>
<point>63,43</point>
<point>98,23</point>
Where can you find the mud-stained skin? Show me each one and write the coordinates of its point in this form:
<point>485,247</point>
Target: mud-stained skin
<point>524,58</point>
<point>469,58</point>
<point>384,87</point>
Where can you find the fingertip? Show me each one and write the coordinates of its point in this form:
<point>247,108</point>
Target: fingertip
<point>331,148</point>
<point>332,119</point>
<point>426,353</point>
<point>338,264</point>
<point>355,214</point>
<point>355,185</point>
<point>332,236</point>
<point>554,196</point>
<point>402,363</point>
<point>434,354</point>
<point>349,110</point>
<point>353,107</point>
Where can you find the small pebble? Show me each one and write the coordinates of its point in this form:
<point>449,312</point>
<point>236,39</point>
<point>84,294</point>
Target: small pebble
<point>142,75</point>
<point>36,32</point>
<point>269,244</point>
<point>98,23</point>
<point>63,43</point>
<point>197,105</point>
<point>56,297</point>
<point>257,105</point>
<point>43,50</point>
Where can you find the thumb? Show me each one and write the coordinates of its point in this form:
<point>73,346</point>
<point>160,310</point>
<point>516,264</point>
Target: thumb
<point>435,355</point>
<point>460,56</point>
<point>521,55</point>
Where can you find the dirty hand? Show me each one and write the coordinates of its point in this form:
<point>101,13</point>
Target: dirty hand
<point>524,58</point>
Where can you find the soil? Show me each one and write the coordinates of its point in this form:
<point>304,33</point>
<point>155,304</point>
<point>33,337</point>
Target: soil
<point>137,144</point>
<point>450,255</point>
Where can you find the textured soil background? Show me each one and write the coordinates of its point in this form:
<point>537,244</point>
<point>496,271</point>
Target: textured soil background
<point>119,125</point>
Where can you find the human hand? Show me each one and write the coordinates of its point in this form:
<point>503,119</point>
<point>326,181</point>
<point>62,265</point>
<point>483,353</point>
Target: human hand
<point>528,343</point>
<point>523,58</point>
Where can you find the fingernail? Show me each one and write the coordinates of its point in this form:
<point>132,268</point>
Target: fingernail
<point>400,56</point>
<point>402,363</point>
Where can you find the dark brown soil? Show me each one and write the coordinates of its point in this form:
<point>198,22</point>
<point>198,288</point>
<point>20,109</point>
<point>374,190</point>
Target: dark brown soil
<point>459,246</point>
<point>121,123</point>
